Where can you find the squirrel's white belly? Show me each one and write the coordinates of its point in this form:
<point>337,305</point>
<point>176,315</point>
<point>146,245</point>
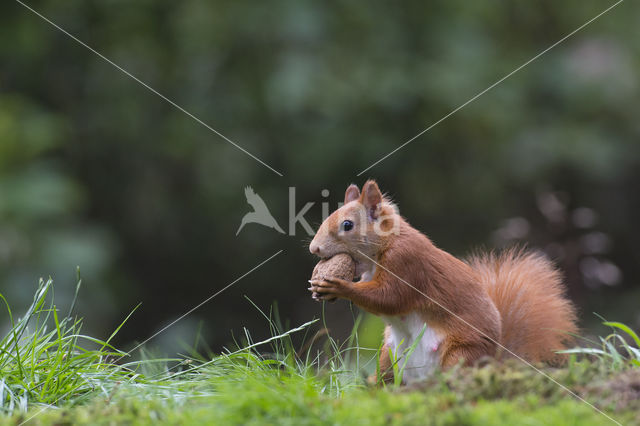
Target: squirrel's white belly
<point>403,331</point>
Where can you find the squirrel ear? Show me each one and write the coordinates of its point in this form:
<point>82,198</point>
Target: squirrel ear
<point>352,193</point>
<point>371,198</point>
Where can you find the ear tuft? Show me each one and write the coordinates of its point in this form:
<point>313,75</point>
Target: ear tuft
<point>371,198</point>
<point>352,193</point>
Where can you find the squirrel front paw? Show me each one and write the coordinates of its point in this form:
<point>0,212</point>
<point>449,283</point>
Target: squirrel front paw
<point>328,288</point>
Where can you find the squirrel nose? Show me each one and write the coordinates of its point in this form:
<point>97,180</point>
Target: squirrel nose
<point>314,248</point>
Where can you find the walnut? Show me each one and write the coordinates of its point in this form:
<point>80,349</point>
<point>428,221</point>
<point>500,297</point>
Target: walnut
<point>339,266</point>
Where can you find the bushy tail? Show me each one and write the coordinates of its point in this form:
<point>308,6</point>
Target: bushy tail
<point>537,318</point>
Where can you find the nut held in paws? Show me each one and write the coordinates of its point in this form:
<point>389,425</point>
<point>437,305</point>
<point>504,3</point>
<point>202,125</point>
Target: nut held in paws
<point>339,266</point>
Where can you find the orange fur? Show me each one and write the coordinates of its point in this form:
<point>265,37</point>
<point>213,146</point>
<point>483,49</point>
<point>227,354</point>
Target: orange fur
<point>529,294</point>
<point>515,299</point>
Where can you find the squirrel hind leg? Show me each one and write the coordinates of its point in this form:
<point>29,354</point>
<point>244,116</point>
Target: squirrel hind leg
<point>455,351</point>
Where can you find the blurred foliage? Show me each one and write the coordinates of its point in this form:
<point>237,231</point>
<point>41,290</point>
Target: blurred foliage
<point>97,171</point>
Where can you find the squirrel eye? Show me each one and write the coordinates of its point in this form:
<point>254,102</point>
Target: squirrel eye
<point>347,225</point>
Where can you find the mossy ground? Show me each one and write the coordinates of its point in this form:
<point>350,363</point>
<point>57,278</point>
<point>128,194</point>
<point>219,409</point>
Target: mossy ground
<point>49,376</point>
<point>496,394</point>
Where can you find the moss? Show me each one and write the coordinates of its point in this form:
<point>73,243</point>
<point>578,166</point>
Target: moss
<point>496,394</point>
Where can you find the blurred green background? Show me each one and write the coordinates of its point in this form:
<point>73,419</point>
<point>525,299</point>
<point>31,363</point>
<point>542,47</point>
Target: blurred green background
<point>98,172</point>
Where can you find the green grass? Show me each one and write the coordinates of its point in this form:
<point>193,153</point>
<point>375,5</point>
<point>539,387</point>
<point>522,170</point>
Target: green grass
<point>43,358</point>
<point>615,350</point>
<point>51,373</point>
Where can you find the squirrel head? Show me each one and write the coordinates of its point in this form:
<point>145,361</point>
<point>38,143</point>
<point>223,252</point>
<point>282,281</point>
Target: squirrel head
<point>361,225</point>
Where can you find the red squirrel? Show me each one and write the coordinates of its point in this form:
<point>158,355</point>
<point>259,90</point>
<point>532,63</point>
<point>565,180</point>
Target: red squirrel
<point>468,310</point>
